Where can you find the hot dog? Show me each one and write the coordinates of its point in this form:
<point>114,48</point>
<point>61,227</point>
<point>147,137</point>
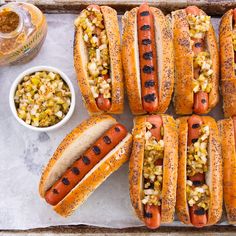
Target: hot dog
<point>227,129</point>
<point>199,188</point>
<point>194,132</point>
<point>153,169</point>
<point>152,212</point>
<point>227,38</point>
<point>200,98</point>
<point>147,56</point>
<point>64,183</point>
<point>196,61</point>
<point>97,59</point>
<point>103,103</point>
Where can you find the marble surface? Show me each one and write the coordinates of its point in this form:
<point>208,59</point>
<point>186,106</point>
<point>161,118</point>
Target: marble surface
<point>23,153</point>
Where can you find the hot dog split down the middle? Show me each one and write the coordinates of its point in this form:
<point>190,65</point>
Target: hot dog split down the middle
<point>153,169</point>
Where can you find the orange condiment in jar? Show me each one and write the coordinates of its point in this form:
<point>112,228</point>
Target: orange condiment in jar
<point>23,29</point>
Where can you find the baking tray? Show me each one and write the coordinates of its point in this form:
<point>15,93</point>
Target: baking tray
<point>213,8</point>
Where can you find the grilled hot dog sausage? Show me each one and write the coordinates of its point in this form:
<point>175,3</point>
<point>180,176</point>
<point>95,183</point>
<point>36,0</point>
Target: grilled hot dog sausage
<point>198,218</point>
<point>147,58</point>
<point>200,102</point>
<point>194,127</point>
<point>152,216</point>
<point>93,6</point>
<point>200,98</point>
<point>103,104</point>
<point>153,213</point>
<point>85,163</point>
<point>157,123</point>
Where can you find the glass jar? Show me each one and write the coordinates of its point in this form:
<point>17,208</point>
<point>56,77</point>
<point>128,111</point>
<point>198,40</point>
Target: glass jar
<point>23,29</point>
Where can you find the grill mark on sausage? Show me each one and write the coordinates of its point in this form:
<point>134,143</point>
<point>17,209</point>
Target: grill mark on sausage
<point>146,41</point>
<point>75,170</point>
<point>194,140</point>
<point>153,126</point>
<point>106,140</point>
<point>145,27</point>
<point>148,215</point>
<point>86,160</point>
<point>150,97</point>
<point>148,55</point>
<point>195,126</point>
<point>198,45</point>
<point>200,211</point>
<point>149,83</point>
<point>145,13</point>
<point>96,150</point>
<point>65,181</point>
<point>148,69</point>
<point>197,183</point>
<point>55,191</point>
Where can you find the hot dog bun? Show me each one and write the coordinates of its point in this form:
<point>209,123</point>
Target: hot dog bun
<point>228,78</point>
<point>213,176</point>
<point>81,60</point>
<point>130,59</point>
<point>74,145</point>
<point>183,57</point>
<point>226,128</point>
<point>170,165</point>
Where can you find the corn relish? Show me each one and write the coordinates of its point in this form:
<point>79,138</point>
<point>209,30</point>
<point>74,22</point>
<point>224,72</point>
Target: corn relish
<point>153,174</point>
<point>95,38</point>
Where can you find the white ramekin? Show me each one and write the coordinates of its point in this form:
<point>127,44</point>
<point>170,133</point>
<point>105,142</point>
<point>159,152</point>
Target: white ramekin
<point>30,71</point>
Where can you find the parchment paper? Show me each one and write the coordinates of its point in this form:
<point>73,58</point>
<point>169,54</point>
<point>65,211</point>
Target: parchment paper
<point>23,153</point>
